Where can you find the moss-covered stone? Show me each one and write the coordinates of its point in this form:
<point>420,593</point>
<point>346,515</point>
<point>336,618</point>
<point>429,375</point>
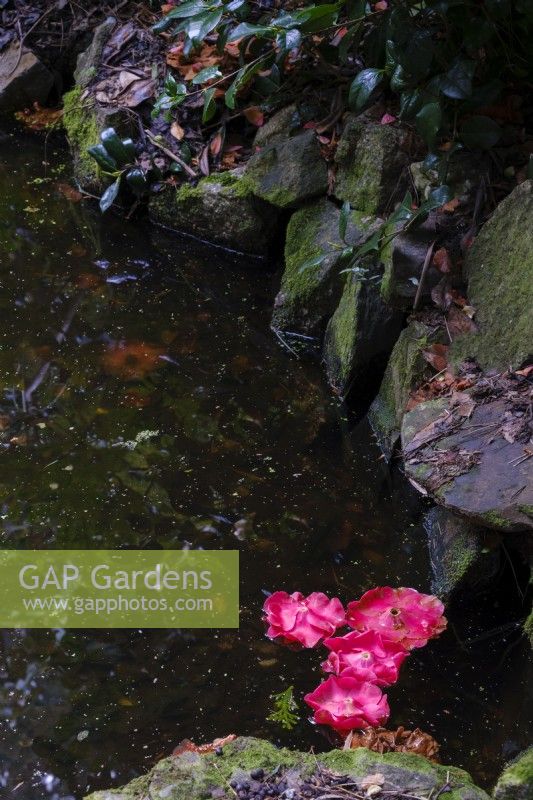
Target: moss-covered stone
<point>516,781</point>
<point>289,172</point>
<point>83,131</point>
<point>371,165</point>
<point>221,209</point>
<point>405,370</point>
<point>24,80</point>
<point>279,127</point>
<point>89,60</point>
<point>499,269</point>
<point>463,556</point>
<point>194,776</point>
<point>308,297</point>
<point>362,329</point>
<point>403,261</point>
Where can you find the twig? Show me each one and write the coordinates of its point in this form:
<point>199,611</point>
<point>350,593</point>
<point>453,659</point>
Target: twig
<point>425,268</point>
<point>171,155</point>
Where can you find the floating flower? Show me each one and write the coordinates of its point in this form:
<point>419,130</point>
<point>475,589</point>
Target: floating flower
<point>400,615</point>
<point>365,656</point>
<point>301,619</point>
<point>345,703</point>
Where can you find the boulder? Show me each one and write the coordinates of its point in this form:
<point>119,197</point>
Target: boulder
<point>279,127</point>
<point>516,781</point>
<point>405,370</point>
<point>220,209</point>
<point>499,270</point>
<point>197,777</point>
<point>403,260</point>
<point>89,61</point>
<point>467,465</point>
<point>24,80</point>
<point>289,172</point>
<point>308,297</point>
<point>463,557</point>
<point>362,329</point>
<point>371,165</point>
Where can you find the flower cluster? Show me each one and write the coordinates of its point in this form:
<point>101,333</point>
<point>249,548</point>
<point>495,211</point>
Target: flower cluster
<point>387,623</point>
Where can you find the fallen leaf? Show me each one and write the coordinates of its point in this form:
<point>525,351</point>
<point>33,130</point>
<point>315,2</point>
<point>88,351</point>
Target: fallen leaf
<point>177,131</point>
<point>441,294</point>
<point>69,192</point>
<point>131,360</point>
<point>387,119</point>
<point>254,115</point>
<point>437,356</point>
<point>451,205</point>
<point>204,161</point>
<point>40,118</point>
<point>376,779</point>
<point>442,260</point>
<point>458,322</point>
<point>526,371</point>
<point>215,145</point>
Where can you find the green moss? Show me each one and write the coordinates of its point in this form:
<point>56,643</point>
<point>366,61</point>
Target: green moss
<point>494,520</point>
<point>499,269</point>
<point>528,627</point>
<point>516,781</point>
<point>79,119</point>
<point>342,336</point>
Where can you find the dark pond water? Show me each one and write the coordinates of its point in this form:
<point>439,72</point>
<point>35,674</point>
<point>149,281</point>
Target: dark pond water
<point>111,329</point>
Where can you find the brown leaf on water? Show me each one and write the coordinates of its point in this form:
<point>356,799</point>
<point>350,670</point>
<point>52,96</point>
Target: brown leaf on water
<point>69,192</point>
<point>437,356</point>
<point>132,360</point>
<point>39,119</point>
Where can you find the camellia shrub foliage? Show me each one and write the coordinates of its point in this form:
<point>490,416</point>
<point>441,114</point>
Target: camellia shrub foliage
<point>387,624</point>
<point>444,63</point>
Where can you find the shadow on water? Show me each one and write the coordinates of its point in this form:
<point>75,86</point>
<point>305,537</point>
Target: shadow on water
<point>110,329</point>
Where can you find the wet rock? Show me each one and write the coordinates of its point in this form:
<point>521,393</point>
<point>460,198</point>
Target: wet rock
<point>403,261</point>
<point>362,329</point>
<point>24,80</point>
<point>308,297</point>
<point>289,172</point>
<point>516,781</point>
<point>279,127</point>
<point>405,370</point>
<point>371,165</point>
<point>499,270</point>
<point>220,209</point>
<point>463,556</point>
<point>197,776</point>
<point>467,466</point>
<point>462,174</point>
<point>89,60</point>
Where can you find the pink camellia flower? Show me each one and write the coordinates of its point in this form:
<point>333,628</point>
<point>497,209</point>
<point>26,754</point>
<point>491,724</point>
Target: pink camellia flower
<point>303,619</point>
<point>345,703</point>
<point>365,656</point>
<point>400,615</point>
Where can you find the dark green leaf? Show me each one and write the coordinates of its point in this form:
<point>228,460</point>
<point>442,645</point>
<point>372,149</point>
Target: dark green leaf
<point>315,261</point>
<point>210,105</point>
<point>410,103</point>
<point>115,147</point>
<point>102,158</point>
<point>363,86</point>
<point>197,28</point>
<point>428,122</point>
<point>110,195</point>
<point>344,219</point>
<point>206,75</point>
<point>457,83</point>
<point>480,132</point>
<point>246,29</point>
<point>136,180</point>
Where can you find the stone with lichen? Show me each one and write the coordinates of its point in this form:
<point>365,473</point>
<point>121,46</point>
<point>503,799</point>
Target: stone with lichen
<point>516,781</point>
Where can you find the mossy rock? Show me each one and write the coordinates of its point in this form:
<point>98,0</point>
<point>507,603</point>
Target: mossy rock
<point>89,61</point>
<point>463,556</point>
<point>221,209</point>
<point>405,370</point>
<point>194,776</point>
<point>362,329</point>
<point>84,120</point>
<point>516,781</point>
<point>308,297</point>
<point>403,261</point>
<point>371,165</point>
<point>499,270</point>
<point>290,172</point>
<point>24,79</point>
<point>279,127</point>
